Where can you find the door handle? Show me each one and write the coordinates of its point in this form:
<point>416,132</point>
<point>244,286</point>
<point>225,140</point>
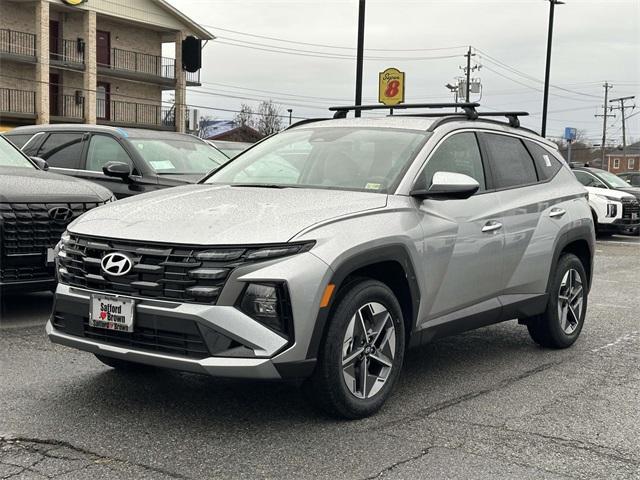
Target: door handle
<point>491,226</point>
<point>557,212</point>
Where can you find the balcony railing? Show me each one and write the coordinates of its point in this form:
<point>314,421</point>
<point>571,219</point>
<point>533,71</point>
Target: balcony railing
<point>144,63</point>
<point>128,113</point>
<point>17,101</point>
<point>17,43</point>
<point>67,51</point>
<point>68,106</point>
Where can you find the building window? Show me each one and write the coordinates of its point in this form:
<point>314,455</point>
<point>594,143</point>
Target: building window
<point>631,164</point>
<point>616,163</point>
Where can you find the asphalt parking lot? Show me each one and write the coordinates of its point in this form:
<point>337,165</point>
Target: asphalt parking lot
<point>486,404</point>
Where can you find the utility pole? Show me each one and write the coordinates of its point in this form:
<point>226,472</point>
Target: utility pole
<point>606,107</point>
<point>622,108</point>
<point>290,110</point>
<point>467,72</point>
<point>360,56</point>
<point>545,97</point>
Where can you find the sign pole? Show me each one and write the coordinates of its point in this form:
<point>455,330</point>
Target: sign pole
<point>360,56</point>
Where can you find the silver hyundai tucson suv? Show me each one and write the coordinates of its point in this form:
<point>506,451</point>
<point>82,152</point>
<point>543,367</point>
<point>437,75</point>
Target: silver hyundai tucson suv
<point>325,251</point>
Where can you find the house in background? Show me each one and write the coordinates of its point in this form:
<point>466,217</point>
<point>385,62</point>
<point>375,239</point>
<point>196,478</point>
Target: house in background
<point>228,131</point>
<point>95,61</point>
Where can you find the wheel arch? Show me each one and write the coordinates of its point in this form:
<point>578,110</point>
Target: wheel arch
<point>580,242</point>
<point>391,265</point>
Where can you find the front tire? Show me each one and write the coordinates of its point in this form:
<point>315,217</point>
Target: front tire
<point>362,354</point>
<point>561,323</point>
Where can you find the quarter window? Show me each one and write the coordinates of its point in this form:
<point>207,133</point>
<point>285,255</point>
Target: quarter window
<point>19,140</point>
<point>104,149</point>
<point>511,164</point>
<point>62,150</point>
<point>458,154</point>
<point>546,164</point>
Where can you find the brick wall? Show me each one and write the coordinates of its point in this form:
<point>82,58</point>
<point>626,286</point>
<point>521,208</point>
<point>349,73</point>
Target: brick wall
<point>17,16</point>
<point>133,38</point>
<point>618,164</point>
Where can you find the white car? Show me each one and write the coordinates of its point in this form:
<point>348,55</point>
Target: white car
<point>607,206</point>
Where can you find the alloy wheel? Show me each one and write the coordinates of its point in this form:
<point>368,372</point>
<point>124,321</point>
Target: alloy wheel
<point>368,350</point>
<point>570,301</point>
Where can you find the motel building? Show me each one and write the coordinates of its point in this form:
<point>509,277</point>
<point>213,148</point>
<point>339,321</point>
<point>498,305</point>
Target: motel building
<point>95,61</point>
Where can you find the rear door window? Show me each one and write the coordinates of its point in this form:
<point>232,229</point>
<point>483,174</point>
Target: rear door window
<point>511,163</point>
<point>546,164</point>
<point>62,150</point>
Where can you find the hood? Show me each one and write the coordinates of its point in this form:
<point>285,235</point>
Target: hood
<point>635,191</point>
<point>22,185</point>
<point>222,215</point>
<point>617,194</point>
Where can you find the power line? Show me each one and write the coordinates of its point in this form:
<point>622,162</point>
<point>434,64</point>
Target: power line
<point>340,47</point>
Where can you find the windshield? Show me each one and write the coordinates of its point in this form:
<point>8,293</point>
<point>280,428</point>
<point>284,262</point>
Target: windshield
<point>364,159</point>
<point>613,180</point>
<point>181,156</point>
<point>11,157</point>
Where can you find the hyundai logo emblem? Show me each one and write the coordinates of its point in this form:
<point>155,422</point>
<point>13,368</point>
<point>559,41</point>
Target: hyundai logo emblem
<point>116,264</point>
<point>60,214</point>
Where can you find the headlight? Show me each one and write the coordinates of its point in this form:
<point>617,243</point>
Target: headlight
<point>59,252</point>
<point>268,303</point>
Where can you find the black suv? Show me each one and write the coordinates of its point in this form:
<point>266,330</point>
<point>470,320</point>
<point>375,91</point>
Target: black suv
<point>35,209</point>
<point>127,161</point>
<point>632,178</point>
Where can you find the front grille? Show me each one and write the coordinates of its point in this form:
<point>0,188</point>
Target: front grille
<point>166,272</point>
<point>629,207</point>
<point>184,339</point>
<point>26,232</point>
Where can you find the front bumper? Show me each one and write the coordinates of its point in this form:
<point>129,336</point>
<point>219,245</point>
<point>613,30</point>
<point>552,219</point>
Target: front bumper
<point>255,368</point>
<point>234,345</point>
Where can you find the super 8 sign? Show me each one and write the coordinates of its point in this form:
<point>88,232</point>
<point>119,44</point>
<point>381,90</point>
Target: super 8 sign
<point>391,87</point>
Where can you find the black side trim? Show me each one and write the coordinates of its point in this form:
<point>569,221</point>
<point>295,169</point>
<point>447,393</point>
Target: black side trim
<point>394,252</point>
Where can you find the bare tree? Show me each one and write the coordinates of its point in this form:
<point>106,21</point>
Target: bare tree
<point>269,119</point>
<point>245,116</point>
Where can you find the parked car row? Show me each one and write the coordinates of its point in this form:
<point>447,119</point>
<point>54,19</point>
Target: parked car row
<point>126,161</point>
<point>615,205</point>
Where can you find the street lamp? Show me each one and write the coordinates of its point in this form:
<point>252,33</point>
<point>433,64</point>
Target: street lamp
<point>360,55</point>
<point>545,99</point>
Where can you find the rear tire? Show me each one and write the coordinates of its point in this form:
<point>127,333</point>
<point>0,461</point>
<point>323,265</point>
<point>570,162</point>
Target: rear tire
<point>561,323</point>
<point>361,357</point>
<point>123,365</point>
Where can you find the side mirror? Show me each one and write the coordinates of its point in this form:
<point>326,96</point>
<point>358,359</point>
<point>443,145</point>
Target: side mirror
<point>41,163</point>
<point>117,169</point>
<point>448,185</point>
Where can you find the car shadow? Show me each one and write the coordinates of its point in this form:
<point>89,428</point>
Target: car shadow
<point>24,309</point>
<point>184,400</point>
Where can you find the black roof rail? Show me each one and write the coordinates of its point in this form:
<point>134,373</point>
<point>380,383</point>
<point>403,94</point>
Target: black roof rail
<point>514,121</point>
<point>341,111</point>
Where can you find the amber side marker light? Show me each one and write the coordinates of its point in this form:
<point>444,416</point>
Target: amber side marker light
<point>326,296</point>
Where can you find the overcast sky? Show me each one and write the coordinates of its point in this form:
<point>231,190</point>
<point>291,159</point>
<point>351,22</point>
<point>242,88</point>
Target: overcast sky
<point>594,41</point>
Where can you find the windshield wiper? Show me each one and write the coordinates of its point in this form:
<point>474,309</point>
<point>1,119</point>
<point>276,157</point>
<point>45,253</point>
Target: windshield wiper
<point>260,185</point>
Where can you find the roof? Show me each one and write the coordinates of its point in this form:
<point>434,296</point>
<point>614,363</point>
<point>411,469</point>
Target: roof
<point>202,33</point>
<point>81,127</point>
<point>213,128</point>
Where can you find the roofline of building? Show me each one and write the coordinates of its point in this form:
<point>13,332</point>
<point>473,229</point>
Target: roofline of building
<point>202,33</point>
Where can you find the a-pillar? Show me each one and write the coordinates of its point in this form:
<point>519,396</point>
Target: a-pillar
<point>42,65</point>
<point>90,80</point>
<point>181,87</point>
